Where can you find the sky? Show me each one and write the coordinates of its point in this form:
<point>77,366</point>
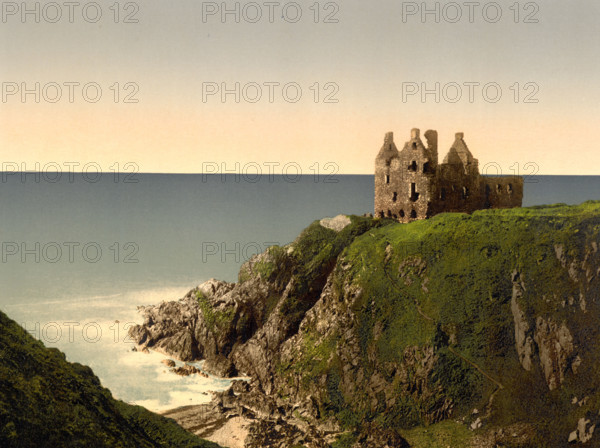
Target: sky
<point>288,87</point>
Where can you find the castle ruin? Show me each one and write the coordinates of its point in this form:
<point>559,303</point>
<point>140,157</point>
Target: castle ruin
<point>410,184</point>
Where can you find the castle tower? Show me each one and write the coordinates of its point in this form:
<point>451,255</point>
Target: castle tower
<point>460,183</point>
<point>418,166</point>
<point>459,154</point>
<point>386,178</point>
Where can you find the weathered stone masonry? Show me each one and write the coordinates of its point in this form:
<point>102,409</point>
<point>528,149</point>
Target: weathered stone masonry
<point>410,184</point>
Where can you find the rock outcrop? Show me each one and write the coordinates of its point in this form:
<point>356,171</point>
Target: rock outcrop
<point>555,345</point>
<point>523,335</point>
<point>584,431</point>
<point>361,331</point>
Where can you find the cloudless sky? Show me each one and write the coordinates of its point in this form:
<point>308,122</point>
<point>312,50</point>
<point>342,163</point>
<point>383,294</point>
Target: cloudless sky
<point>361,70</point>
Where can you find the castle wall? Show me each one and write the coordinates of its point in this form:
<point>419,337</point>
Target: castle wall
<point>414,196</point>
<point>503,191</point>
<point>458,191</point>
<point>389,182</point>
<point>410,184</point>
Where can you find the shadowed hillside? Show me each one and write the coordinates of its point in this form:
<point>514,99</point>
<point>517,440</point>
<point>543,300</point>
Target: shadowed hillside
<point>46,401</point>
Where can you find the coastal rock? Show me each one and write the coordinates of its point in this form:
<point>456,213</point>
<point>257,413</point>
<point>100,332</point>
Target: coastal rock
<point>219,365</point>
<point>523,334</point>
<point>205,324</point>
<point>555,344</point>
<point>280,434</point>
<point>168,362</point>
<point>187,370</point>
<point>337,224</point>
<point>267,424</point>
<point>168,328</point>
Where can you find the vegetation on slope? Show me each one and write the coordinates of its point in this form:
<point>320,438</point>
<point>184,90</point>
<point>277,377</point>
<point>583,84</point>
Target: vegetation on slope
<point>446,283</point>
<point>46,401</point>
<point>315,253</point>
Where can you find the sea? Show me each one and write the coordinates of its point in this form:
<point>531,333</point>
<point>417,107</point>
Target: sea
<point>81,252</point>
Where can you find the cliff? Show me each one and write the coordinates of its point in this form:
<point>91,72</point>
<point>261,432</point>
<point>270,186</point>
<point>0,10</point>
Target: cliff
<point>46,401</point>
<point>463,330</point>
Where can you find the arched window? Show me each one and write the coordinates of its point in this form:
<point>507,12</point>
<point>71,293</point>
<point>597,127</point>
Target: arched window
<point>387,178</point>
<point>381,214</point>
<point>395,197</point>
<point>509,189</point>
<point>413,214</point>
<point>389,214</point>
<point>426,167</point>
<point>465,192</point>
<point>401,213</point>
<point>412,166</point>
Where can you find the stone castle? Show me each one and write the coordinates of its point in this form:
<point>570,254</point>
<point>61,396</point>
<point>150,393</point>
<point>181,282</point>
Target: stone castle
<point>410,184</point>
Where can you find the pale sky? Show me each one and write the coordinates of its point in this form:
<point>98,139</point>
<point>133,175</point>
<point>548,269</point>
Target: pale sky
<point>369,59</point>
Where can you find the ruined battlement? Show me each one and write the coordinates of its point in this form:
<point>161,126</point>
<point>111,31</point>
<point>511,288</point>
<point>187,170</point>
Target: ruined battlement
<point>410,184</point>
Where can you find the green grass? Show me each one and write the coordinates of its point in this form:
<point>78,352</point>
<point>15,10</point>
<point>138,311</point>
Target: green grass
<point>47,401</point>
<point>440,435</point>
<point>463,295</point>
<point>345,440</point>
<point>271,263</point>
<point>315,254</point>
<point>214,319</point>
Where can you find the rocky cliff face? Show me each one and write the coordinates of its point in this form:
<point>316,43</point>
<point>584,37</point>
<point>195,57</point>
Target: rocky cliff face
<point>363,332</point>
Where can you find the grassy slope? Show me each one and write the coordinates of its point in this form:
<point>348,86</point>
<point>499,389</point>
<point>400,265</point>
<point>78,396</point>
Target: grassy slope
<point>46,401</point>
<point>469,260</point>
